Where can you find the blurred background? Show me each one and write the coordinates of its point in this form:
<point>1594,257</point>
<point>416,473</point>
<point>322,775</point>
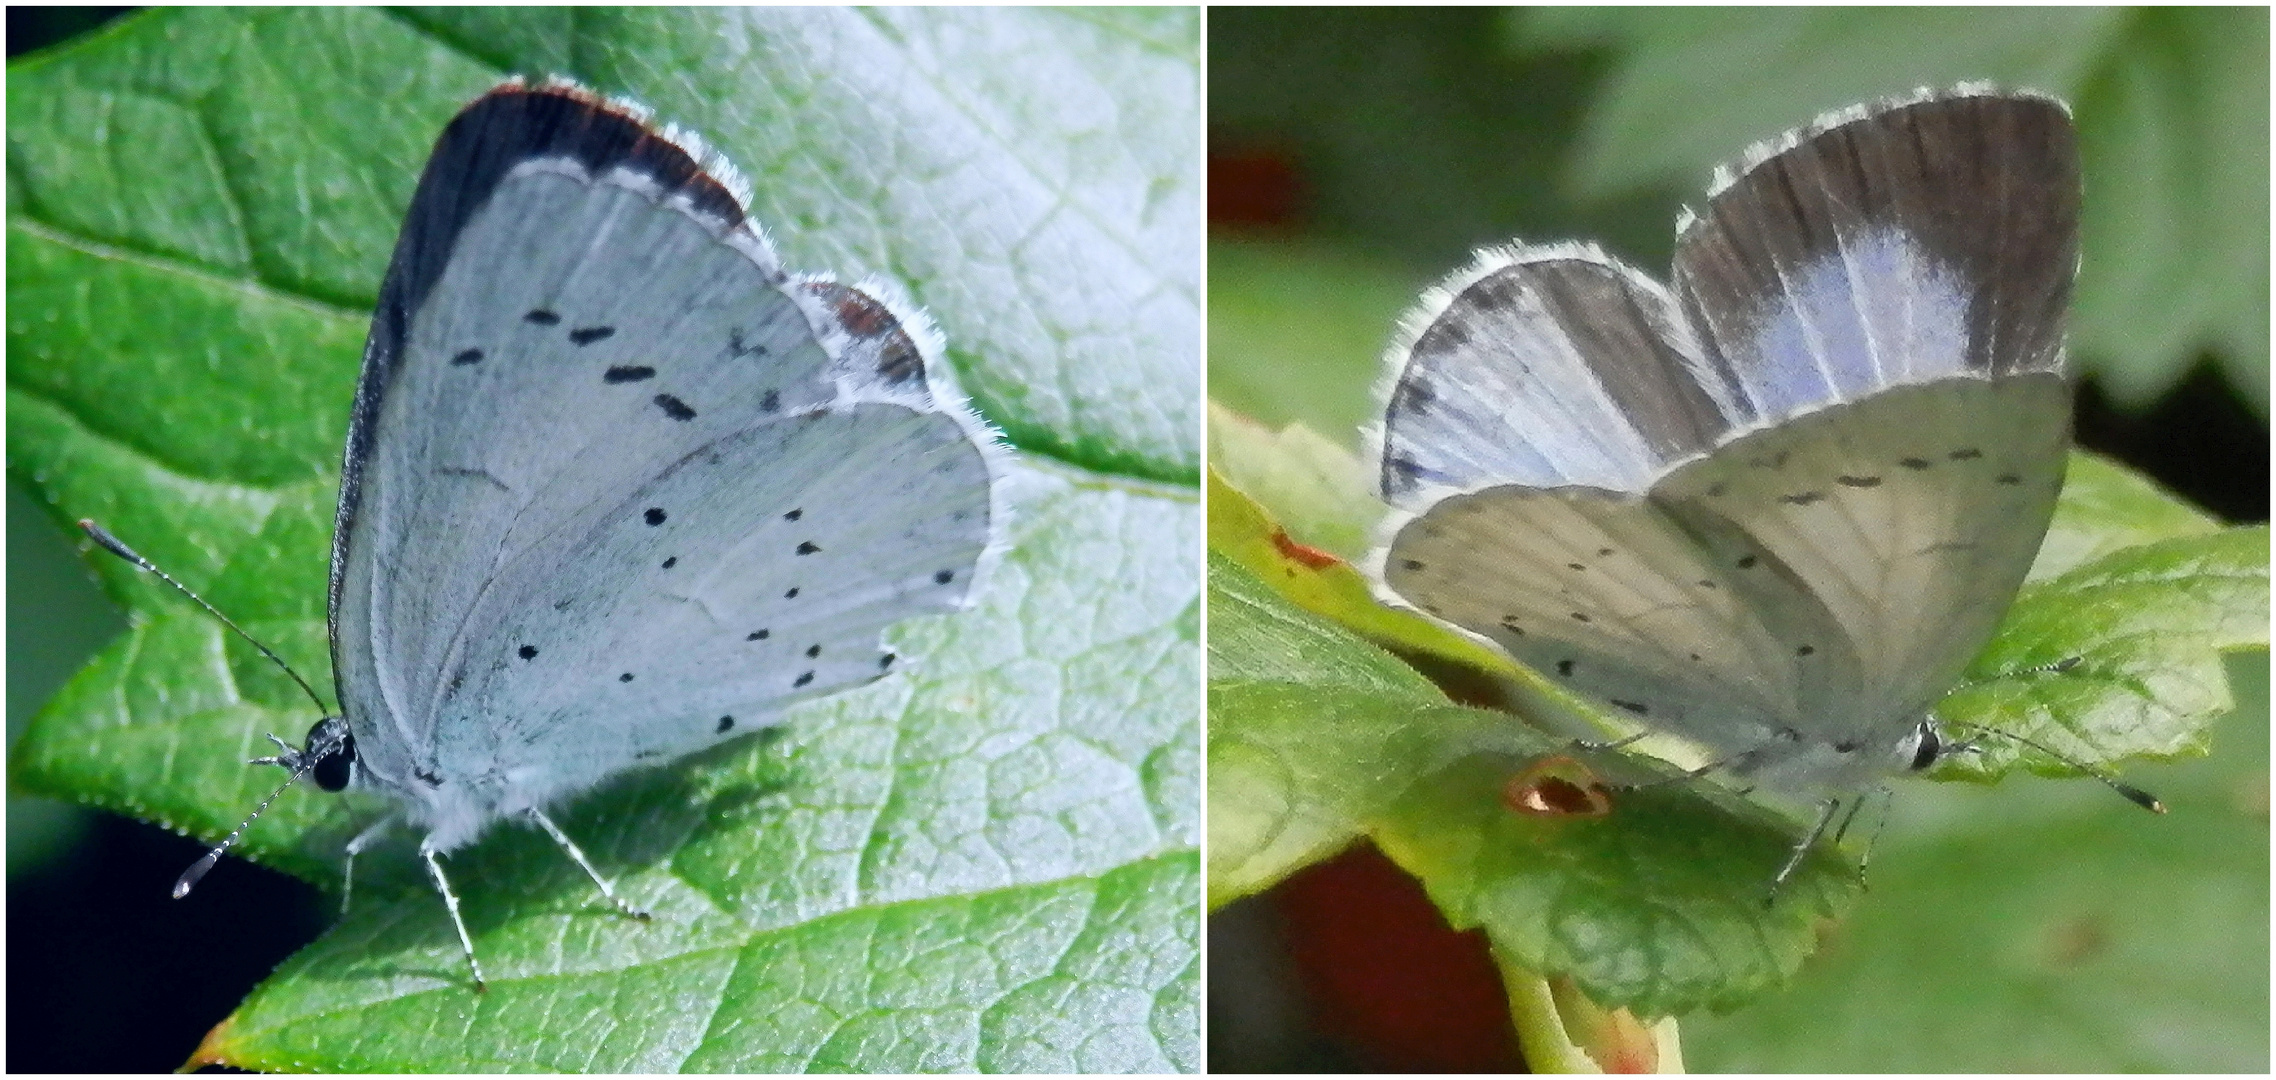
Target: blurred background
<point>1357,155</point>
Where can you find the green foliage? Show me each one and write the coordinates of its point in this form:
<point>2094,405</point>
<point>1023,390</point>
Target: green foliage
<point>988,861</point>
<point>1318,736</point>
<point>2044,927</point>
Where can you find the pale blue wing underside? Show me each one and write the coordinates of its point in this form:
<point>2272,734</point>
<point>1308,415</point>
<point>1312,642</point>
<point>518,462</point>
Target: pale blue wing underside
<point>499,580</point>
<point>1789,506</point>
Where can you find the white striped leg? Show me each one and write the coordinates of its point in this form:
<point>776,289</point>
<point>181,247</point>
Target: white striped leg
<point>570,846</point>
<point>356,847</point>
<point>450,900</point>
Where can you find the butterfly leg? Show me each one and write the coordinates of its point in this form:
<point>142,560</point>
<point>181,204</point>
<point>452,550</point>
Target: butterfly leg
<point>1880,822</point>
<point>450,900</point>
<point>570,846</point>
<point>1809,840</point>
<point>356,847</point>
<point>1593,746</point>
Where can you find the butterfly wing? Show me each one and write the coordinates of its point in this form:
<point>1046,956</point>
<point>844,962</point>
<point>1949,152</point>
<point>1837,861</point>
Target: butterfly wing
<point>1609,594</point>
<point>1851,436</point>
<point>1538,394</point>
<point>1542,366</point>
<point>1891,284</point>
<point>616,485</point>
<point>1886,246</point>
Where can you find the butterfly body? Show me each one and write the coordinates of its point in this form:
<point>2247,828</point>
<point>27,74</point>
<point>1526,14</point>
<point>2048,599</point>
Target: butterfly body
<point>1778,508</point>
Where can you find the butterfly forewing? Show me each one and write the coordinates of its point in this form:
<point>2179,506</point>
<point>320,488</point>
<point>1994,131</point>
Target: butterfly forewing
<point>1545,367</point>
<point>1935,238</point>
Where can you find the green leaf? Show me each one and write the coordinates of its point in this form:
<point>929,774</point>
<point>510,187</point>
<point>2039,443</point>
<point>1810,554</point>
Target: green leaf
<point>1315,486</point>
<point>2148,625</point>
<point>1317,737</point>
<point>1240,530</point>
<point>2172,108</point>
<point>988,861</point>
<point>2041,927</point>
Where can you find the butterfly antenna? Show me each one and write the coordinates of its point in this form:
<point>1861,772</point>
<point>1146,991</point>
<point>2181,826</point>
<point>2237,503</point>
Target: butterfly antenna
<point>300,764</point>
<point>117,547</point>
<point>2133,794</point>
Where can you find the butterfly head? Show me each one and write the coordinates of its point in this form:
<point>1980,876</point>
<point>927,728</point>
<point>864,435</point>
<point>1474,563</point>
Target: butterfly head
<point>329,754</point>
<point>1924,746</point>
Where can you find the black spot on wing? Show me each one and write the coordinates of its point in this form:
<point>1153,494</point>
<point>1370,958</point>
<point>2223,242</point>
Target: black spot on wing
<point>671,562</point>
<point>624,373</point>
<point>770,401</point>
<point>626,677</point>
<point>737,350</point>
<point>803,679</point>
<point>1858,481</point>
<point>467,356</point>
<point>541,317</point>
<point>591,334</point>
<point>885,661</point>
<point>794,515</point>
<point>654,515</point>
<point>1965,453</point>
<point>808,547</point>
<point>792,594</point>
<point>1913,463</point>
<point>526,652</point>
<point>944,577</point>
<point>757,635</point>
<point>1802,498</point>
<point>813,651</point>
<point>726,724</point>
<point>674,407</point>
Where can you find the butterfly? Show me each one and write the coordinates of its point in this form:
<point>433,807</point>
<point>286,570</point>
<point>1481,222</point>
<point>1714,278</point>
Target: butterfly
<point>617,486</point>
<point>1776,506</point>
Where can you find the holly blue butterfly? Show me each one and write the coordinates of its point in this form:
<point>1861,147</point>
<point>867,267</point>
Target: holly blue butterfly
<point>1776,507</point>
<point>617,486</point>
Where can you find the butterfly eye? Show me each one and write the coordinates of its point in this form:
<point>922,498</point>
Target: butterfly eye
<point>1928,750</point>
<point>336,754</point>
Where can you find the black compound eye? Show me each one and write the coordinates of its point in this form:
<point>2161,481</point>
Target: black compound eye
<point>333,768</point>
<point>1931,747</point>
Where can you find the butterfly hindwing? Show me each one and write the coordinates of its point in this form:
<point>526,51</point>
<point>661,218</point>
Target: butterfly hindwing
<point>1606,593</point>
<point>1906,516</point>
